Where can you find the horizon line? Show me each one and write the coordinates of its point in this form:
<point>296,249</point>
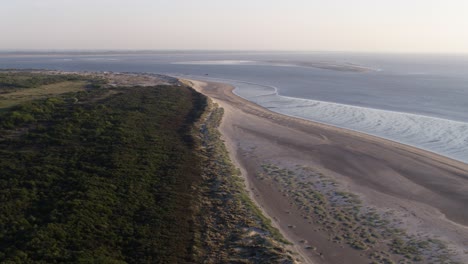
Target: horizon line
<point>129,50</point>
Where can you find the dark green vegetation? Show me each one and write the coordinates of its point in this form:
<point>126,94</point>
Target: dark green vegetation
<point>105,182</point>
<point>121,176</point>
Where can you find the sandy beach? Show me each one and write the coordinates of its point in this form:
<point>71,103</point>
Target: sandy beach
<point>422,193</point>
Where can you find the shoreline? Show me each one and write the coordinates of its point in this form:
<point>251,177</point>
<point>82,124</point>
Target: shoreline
<point>379,134</point>
<point>407,147</point>
<point>236,133</point>
<point>276,93</point>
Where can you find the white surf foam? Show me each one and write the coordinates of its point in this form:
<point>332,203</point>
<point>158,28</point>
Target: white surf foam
<point>442,136</point>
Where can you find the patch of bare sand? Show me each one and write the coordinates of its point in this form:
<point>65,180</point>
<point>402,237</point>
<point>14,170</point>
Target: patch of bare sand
<point>428,193</point>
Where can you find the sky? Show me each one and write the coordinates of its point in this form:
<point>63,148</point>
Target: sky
<point>429,26</point>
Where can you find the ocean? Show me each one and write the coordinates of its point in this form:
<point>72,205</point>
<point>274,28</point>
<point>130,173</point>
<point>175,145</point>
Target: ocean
<point>420,100</point>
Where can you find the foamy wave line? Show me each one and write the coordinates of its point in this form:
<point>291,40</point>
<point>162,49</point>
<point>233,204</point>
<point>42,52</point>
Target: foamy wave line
<point>442,136</point>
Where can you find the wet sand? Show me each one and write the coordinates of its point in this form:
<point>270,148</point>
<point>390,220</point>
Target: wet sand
<point>428,192</point>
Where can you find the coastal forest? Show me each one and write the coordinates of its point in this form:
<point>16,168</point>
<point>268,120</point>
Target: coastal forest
<point>92,173</point>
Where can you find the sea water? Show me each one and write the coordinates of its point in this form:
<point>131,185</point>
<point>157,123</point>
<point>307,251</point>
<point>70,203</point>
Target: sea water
<point>419,100</point>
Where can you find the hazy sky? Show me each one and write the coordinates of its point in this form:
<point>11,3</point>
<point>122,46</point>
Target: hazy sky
<point>314,25</point>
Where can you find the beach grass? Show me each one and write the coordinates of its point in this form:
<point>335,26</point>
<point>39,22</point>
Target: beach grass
<point>342,215</point>
<point>231,225</point>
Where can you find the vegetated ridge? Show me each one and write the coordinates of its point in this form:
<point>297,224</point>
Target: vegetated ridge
<point>114,174</point>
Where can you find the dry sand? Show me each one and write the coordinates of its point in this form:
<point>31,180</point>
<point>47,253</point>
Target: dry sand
<point>427,192</point>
